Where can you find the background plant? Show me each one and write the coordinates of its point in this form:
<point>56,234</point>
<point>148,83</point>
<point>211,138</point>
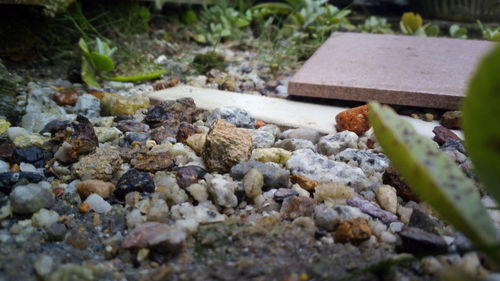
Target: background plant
<point>375,24</point>
<point>412,24</point>
<point>457,31</point>
<point>491,34</point>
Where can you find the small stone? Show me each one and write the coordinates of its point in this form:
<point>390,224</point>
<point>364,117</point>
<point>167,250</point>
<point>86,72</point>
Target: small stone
<point>98,204</point>
<point>333,192</point>
<point>154,162</point>
<point>387,198</point>
<point>354,120</point>
<point>52,127</point>
<point>443,134</point>
<point>158,211</point>
<point>259,123</point>
<point>88,106</point>
<point>274,177</point>
<point>102,188</point>
<point>43,265</point>
<point>197,142</point>
<point>44,218</point>
<point>185,131</point>
<point>421,220</point>
<point>300,190</point>
<point>131,137</point>
<point>283,193</point>
<point>234,115</point>
<point>297,206</point>
<point>203,213</point>
<point>295,144</point>
<point>31,140</point>
<point>353,231</point>
<point>105,134</point>
<point>116,104</point>
<point>198,192</point>
<point>150,234</point>
<point>371,209</point>
<point>135,218</point>
<point>9,179</point>
<point>370,162</point>
<point>33,155</point>
<point>333,144</point>
<point>404,213</point>
<point>77,139</point>
<point>304,182</point>
<point>328,217</point>
<point>4,125</point>
<point>171,113</point>
<point>7,148</point>
<point>222,190</point>
<point>27,199</point>
<point>134,180</point>
<point>417,241</point>
<point>84,208</point>
<point>56,232</point>
<point>226,146</point>
<point>132,126</point>
<point>309,134</point>
<point>189,175</point>
<point>262,138</point>
<point>452,119</point>
<point>71,272</point>
<point>66,97</point>
<point>101,164</point>
<point>276,155</point>
<point>168,188</point>
<point>253,182</point>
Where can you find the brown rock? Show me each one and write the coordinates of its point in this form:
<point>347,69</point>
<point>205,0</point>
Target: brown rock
<point>160,85</point>
<point>66,97</point>
<point>353,231</point>
<point>392,178</point>
<point>96,93</point>
<point>159,134</point>
<point>305,183</point>
<point>297,206</point>
<point>78,138</point>
<point>443,134</point>
<point>154,162</point>
<point>102,188</point>
<point>226,146</point>
<point>84,208</point>
<point>452,119</point>
<point>7,148</point>
<point>132,126</point>
<point>188,175</point>
<point>99,165</point>
<point>185,131</point>
<point>153,233</point>
<point>259,123</point>
<point>354,120</point>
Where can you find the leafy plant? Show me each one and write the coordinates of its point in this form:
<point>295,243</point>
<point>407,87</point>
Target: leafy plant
<point>412,24</point>
<point>376,25</point>
<point>491,34</point>
<point>457,31</point>
<point>206,61</point>
<point>434,176</point>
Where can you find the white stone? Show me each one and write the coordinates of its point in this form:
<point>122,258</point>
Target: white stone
<point>44,218</point>
<point>387,198</point>
<point>371,163</point>
<point>43,265</point>
<point>221,189</point>
<point>14,132</point>
<point>27,167</point>
<point>396,227</point>
<point>203,213</point>
<point>98,204</point>
<point>300,190</point>
<point>198,191</point>
<point>404,213</point>
<point>135,218</point>
<point>4,167</point>
<point>168,188</point>
<point>158,210</point>
<point>335,143</point>
<point>388,237</point>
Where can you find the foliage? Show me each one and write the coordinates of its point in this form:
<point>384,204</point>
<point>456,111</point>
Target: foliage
<point>376,25</point>
<point>434,176</point>
<point>491,34</point>
<point>412,24</point>
<point>457,31</point>
<point>204,62</point>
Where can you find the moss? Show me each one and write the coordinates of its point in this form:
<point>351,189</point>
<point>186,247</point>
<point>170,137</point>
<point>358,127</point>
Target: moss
<point>207,61</point>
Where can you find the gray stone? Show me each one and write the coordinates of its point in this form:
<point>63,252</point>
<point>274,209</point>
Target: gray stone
<point>295,144</point>
<point>318,167</point>
<point>418,241</point>
<point>221,189</point>
<point>234,115</point>
<point>56,232</point>
<point>27,199</point>
<point>329,217</point>
<point>88,106</point>
<point>334,143</point>
<point>262,138</point>
<point>369,162</point>
<point>372,209</point>
<point>283,193</point>
<point>274,177</point>
<point>301,133</point>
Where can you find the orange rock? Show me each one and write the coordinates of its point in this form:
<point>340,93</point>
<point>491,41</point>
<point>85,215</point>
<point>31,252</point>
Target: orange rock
<point>66,97</point>
<point>96,93</point>
<point>305,183</point>
<point>102,188</point>
<point>15,168</point>
<point>353,231</point>
<point>259,123</point>
<point>84,208</point>
<point>354,120</point>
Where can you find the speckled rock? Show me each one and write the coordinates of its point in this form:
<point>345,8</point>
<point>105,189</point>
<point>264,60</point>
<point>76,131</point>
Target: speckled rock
<point>77,139</point>
<point>295,144</point>
<point>297,206</point>
<point>172,113</point>
<point>309,134</point>
<point>353,231</point>
<point>100,165</point>
<point>131,137</point>
<point>221,189</point>
<point>262,138</point>
<point>274,154</point>
<point>252,183</point>
<point>387,198</point>
<point>188,175</point>
<point>185,131</point>
<point>161,134</point>
<point>354,120</point>
<point>369,162</point>
<point>132,126</point>
<point>105,134</point>
<point>27,199</point>
<point>134,180</point>
<point>334,143</point>
<point>153,233</point>
<point>333,192</point>
<point>234,115</point>
<point>197,142</point>
<point>371,209</point>
<point>116,104</point>
<point>329,217</point>
<point>317,167</point>
<point>102,188</point>
<point>274,177</point>
<point>152,162</point>
<point>88,106</point>
<point>226,146</point>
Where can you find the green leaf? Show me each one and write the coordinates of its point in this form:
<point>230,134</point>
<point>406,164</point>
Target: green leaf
<point>480,123</point>
<point>137,77</point>
<point>432,30</point>
<point>458,32</point>
<point>432,175</point>
<point>412,21</point>
<point>101,62</point>
<point>88,74</point>
<point>83,46</point>
<point>271,8</point>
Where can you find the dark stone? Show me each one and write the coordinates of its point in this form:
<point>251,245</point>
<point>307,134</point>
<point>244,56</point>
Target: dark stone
<point>159,134</point>
<point>132,126</point>
<point>33,155</point>
<point>372,209</point>
<point>134,180</point>
<point>420,242</point>
<point>55,126</point>
<point>423,221</point>
<point>80,135</point>
<point>188,175</point>
<point>452,119</point>
<point>240,193</point>
<point>172,113</point>
<point>443,134</point>
<point>7,148</point>
<point>185,131</point>
<point>121,117</point>
<point>461,243</point>
<point>454,145</point>
<point>9,179</point>
<point>56,232</point>
<point>392,178</point>
<point>283,193</point>
<point>274,177</point>
<point>134,137</point>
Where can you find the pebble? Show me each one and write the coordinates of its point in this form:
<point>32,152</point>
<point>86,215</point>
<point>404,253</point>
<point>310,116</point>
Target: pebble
<point>56,232</point>
<point>329,217</point>
<point>98,204</point>
<point>115,104</point>
<point>295,144</point>
<point>131,137</point>
<point>417,241</point>
<point>44,218</point>
<point>9,179</point>
<point>78,139</point>
<point>421,220</point>
<point>31,140</point>
<point>333,144</point>
<point>387,198</point>
<point>203,213</point>
<point>33,155</point>
<point>132,126</point>
<point>7,148</point>
<point>317,167</point>
<point>262,138</point>
<point>353,231</point>
<point>274,177</point>
<point>371,209</point>
<point>100,165</point>
<point>4,167</point>
<point>185,131</point>
<point>14,132</point>
<point>71,272</point>
<point>276,155</point>
<point>297,206</point>
<point>309,134</point>
<point>197,142</point>
<point>198,191</point>
<point>443,134</point>
<point>404,213</point>
<point>152,162</point>
<point>392,178</point>
<point>43,265</point>
<point>134,180</point>
<point>102,188</point>
<point>189,175</point>
<point>28,199</point>
<point>300,190</point>
<point>151,234</point>
<point>283,193</point>
<point>226,146</point>
<point>354,120</point>
<point>65,97</point>
<point>168,188</point>
<point>234,115</point>
<point>158,211</point>
<point>332,192</point>
<point>253,182</point>
<point>105,134</point>
<point>221,189</point>
<point>371,163</point>
<point>88,106</point>
<point>452,119</point>
<point>304,182</point>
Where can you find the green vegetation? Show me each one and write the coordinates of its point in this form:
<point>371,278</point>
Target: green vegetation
<point>457,31</point>
<point>376,25</point>
<point>412,24</point>
<point>434,176</point>
<point>204,62</point>
<point>491,34</point>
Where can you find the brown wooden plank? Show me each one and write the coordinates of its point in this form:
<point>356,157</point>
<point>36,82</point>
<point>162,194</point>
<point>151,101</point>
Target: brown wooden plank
<point>405,70</point>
